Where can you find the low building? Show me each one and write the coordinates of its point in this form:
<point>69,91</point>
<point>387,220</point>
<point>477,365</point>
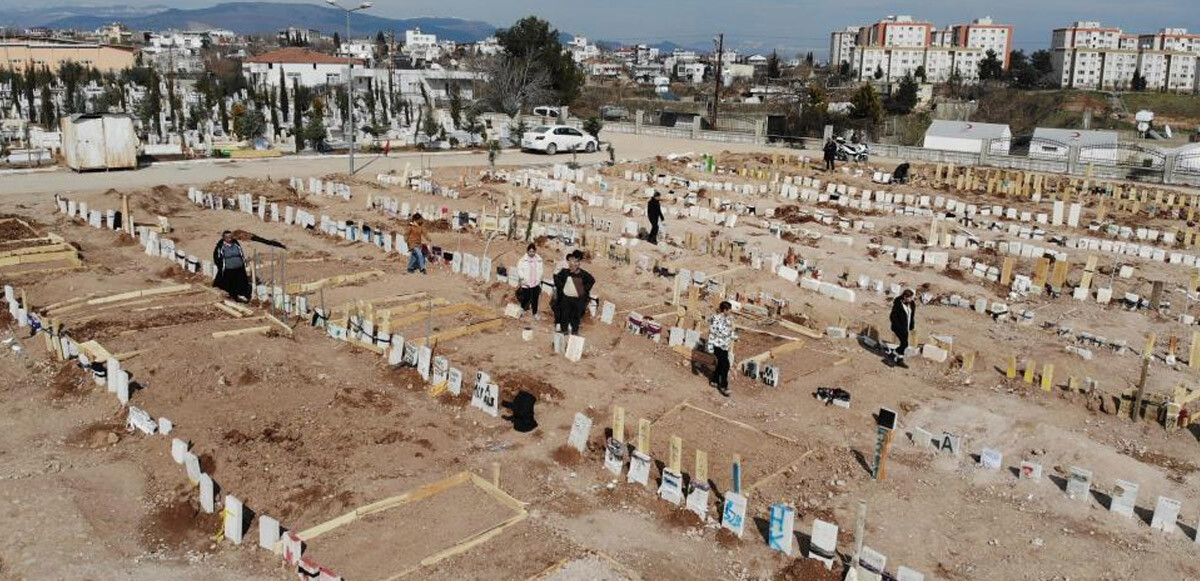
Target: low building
<point>308,67</point>
<point>18,54</point>
<point>968,137</point>
<point>1099,147</point>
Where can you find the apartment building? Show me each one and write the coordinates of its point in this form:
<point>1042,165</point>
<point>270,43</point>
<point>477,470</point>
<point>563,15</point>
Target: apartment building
<point>900,46</point>
<point>17,54</point>
<point>1087,55</point>
<point>985,34</point>
<point>841,45</point>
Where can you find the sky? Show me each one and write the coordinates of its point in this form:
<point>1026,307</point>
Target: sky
<point>791,25</point>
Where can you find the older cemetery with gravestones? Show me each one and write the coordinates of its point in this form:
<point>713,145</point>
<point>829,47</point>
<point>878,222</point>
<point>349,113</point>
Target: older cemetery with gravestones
<point>353,421</point>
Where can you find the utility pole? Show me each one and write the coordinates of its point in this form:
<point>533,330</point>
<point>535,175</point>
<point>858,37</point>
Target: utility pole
<point>350,75</point>
<point>720,41</point>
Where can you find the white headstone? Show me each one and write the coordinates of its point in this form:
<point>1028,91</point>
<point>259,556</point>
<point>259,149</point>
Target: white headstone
<point>454,381</point>
<point>671,487</point>
<point>178,449</point>
<point>1124,498</point>
<point>268,532</point>
<point>581,428</point>
<point>905,574</point>
<point>207,494</point>
<point>1079,483</point>
<point>1166,512</point>
<point>733,514</point>
<point>639,468</point>
<point>990,458</point>
<point>871,564</point>
<point>575,348</point>
<point>780,533</point>
<point>823,543</point>
<point>233,519</point>
<point>192,464</point>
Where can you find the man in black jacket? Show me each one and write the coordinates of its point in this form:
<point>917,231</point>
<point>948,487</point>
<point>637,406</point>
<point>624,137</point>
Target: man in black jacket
<point>655,214</point>
<point>572,291</point>
<point>904,320</point>
<point>830,151</point>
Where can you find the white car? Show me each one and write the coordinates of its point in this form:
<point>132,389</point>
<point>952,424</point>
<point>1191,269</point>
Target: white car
<point>552,139</point>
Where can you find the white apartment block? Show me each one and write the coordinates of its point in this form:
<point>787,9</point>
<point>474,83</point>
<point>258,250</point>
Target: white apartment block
<point>1089,56</point>
<point>841,45</point>
<point>985,34</point>
<point>414,38</point>
<point>581,50</point>
<point>899,46</point>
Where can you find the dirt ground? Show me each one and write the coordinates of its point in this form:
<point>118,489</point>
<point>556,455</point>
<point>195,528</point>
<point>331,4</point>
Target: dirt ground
<point>304,428</point>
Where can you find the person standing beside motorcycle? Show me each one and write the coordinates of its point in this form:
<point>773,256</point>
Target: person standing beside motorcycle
<point>830,153</point>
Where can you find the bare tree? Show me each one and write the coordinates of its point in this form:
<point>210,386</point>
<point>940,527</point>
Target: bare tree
<point>512,83</point>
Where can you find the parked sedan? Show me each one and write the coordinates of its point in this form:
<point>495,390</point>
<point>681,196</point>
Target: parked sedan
<point>552,139</point>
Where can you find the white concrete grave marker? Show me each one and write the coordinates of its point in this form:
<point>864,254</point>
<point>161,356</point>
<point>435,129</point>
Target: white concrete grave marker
<point>1079,483</point>
<point>140,420</point>
<point>1030,470</point>
<point>268,532</point>
<point>487,398</point>
<point>823,543</point>
<point>424,360</point>
<point>1166,512</point>
<point>671,487</point>
<point>733,514</point>
<point>922,438</point>
<point>454,381</point>
<point>178,449</point>
<point>607,312</point>
<point>697,500</point>
<point>990,458</point>
<point>614,456</point>
<point>439,371</point>
<point>1124,498</point>
<point>207,494</point>
<point>192,464</point>
<point>122,386</point>
<point>905,574</point>
<point>871,564</point>
<point>639,468</point>
<point>780,534</point>
<point>950,443</point>
<point>112,368</point>
<point>574,348</point>
<point>581,428</point>
<point>233,519</point>
<point>293,548</point>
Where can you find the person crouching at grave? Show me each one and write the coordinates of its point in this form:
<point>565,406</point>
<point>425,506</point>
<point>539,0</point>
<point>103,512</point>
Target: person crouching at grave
<point>720,337</point>
<point>572,291</point>
<point>231,268</point>
<point>530,271</point>
<point>415,237</point>
<point>904,320</point>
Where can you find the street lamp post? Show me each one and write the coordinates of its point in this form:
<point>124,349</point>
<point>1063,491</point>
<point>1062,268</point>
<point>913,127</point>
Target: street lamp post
<point>350,74</point>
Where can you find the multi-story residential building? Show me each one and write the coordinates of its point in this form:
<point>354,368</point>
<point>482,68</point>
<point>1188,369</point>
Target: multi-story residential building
<point>984,34</point>
<point>581,50</point>
<point>841,45</point>
<point>1087,55</point>
<point>900,46</point>
<point>489,46</point>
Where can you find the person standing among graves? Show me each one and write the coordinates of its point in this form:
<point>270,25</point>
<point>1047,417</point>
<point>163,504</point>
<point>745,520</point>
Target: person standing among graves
<point>904,320</point>
<point>720,337</point>
<point>231,268</point>
<point>830,153</point>
<point>415,237</point>
<point>530,271</point>
<point>655,214</point>
<point>612,154</point>
<point>572,291</point>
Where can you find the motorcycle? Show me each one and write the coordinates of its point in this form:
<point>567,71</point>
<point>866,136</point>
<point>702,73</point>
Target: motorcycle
<point>851,151</point>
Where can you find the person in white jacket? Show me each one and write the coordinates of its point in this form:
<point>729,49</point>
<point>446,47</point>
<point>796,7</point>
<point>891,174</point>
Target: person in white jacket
<point>530,271</point>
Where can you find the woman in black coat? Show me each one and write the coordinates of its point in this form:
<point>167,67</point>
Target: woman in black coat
<point>904,320</point>
<point>231,268</point>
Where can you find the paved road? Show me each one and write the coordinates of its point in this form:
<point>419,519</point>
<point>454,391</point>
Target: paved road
<point>205,171</point>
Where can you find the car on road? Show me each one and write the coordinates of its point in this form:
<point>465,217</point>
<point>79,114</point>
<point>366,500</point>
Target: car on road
<point>552,139</point>
<point>547,111</point>
<point>613,113</point>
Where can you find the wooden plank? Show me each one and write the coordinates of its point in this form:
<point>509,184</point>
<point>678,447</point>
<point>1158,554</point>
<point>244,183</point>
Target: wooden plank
<point>462,546</point>
<point>246,311</point>
<point>810,333</point>
<point>333,281</point>
<point>780,350</point>
<point>37,258</point>
<point>231,312</point>
<point>415,494</point>
<point>286,329</point>
<point>480,327</point>
<point>165,290</point>
<point>386,314</point>
<point>42,249</point>
<point>239,332</point>
<point>95,351</point>
<point>497,493</point>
